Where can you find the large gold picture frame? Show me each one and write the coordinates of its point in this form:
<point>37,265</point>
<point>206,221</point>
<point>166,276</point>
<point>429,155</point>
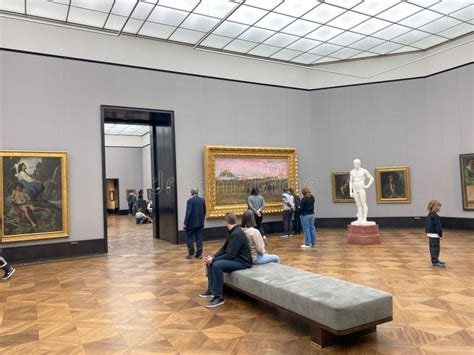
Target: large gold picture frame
<point>231,172</point>
<point>466,162</point>
<point>393,184</point>
<point>33,195</point>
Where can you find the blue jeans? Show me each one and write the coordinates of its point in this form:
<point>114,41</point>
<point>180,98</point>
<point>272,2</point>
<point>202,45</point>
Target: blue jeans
<point>307,222</point>
<point>215,274</point>
<point>197,233</point>
<point>267,258</point>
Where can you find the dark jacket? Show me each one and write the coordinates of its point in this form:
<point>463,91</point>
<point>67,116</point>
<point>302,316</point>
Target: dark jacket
<point>236,248</point>
<point>195,212</point>
<point>433,224</point>
<point>297,202</point>
<point>307,205</point>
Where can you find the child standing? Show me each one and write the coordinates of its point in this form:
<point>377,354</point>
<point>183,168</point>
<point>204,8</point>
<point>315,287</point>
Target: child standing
<point>434,231</point>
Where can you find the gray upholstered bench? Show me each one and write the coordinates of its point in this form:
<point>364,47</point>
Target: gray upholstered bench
<point>334,308</point>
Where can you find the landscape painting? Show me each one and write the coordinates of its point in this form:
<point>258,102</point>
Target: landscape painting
<point>34,200</point>
<point>235,178</point>
<point>232,172</point>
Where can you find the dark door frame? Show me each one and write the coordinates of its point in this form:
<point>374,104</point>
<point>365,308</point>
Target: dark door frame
<point>143,116</point>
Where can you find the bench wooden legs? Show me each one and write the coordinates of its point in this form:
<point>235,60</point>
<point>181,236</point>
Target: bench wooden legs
<point>324,338</point>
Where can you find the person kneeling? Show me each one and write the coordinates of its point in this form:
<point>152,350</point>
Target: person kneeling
<point>141,218</point>
<point>256,241</point>
<point>232,256</point>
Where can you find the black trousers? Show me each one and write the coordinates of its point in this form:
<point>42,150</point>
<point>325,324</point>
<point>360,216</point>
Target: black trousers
<point>287,222</point>
<point>434,249</point>
<point>259,226</point>
<point>297,223</point>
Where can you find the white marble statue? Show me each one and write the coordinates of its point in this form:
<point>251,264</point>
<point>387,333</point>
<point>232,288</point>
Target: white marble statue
<point>357,189</point>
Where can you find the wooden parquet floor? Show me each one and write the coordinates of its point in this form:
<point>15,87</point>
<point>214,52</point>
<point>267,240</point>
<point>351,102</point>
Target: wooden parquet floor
<point>142,298</point>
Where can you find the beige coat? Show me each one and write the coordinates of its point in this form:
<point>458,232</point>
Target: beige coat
<point>257,245</point>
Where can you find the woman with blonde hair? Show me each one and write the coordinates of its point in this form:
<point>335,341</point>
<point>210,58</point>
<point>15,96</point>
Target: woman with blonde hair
<point>434,232</point>
<point>307,218</point>
<point>256,241</point>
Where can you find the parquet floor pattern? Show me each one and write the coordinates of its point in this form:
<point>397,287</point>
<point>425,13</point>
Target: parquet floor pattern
<point>142,298</point>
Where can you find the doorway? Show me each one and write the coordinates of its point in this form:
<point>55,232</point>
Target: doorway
<point>113,196</point>
<point>156,193</point>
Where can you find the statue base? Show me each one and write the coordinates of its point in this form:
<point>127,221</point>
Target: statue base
<point>363,234</point>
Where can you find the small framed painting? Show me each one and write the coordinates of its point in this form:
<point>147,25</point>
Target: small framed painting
<point>340,187</point>
<point>467,181</point>
<point>34,195</point>
<point>393,184</point>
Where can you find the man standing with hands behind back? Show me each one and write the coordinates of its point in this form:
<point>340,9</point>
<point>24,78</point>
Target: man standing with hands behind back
<point>194,223</point>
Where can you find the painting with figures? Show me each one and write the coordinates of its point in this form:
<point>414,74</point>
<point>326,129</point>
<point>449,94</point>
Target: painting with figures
<point>467,180</point>
<point>34,199</point>
<point>340,187</point>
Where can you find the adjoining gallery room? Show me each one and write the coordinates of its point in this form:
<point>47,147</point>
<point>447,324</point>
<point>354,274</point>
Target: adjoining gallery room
<point>236,177</point>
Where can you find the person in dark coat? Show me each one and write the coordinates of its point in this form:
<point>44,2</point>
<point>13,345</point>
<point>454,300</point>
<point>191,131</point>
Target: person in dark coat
<point>194,223</point>
<point>297,214</point>
<point>234,255</point>
<point>434,232</point>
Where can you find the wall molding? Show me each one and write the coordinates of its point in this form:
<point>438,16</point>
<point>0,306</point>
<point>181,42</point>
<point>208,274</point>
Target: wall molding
<point>40,252</point>
<point>225,79</point>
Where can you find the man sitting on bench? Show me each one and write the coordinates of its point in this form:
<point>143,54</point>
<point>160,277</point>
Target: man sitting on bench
<point>234,255</point>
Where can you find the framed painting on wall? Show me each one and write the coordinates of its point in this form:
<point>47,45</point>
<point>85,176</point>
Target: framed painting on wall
<point>393,184</point>
<point>232,172</point>
<point>467,181</point>
<point>34,195</point>
<point>340,187</point>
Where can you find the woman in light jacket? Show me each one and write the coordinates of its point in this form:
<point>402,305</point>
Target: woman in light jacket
<point>256,204</point>
<point>256,242</point>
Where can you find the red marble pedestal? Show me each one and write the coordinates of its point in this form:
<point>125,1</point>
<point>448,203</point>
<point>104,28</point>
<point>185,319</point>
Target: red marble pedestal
<point>363,235</point>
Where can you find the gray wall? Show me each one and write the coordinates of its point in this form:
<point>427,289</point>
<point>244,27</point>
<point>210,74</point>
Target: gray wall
<point>424,124</point>
<point>125,164</point>
<point>146,162</point>
<point>54,104</point>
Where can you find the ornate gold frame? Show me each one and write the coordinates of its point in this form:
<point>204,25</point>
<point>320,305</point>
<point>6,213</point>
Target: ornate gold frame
<point>466,205</point>
<point>378,182</point>
<point>213,152</point>
<point>333,183</point>
<point>64,233</point>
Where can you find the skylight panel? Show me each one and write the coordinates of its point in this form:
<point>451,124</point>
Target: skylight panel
<point>296,8</point>
<point>324,33</point>
<point>346,38</point>
<point>167,16</point>
<point>428,42</point>
<point>306,58</point>
<point>371,26</point>
<point>263,4</point>
<point>239,45</point>
<point>386,47</point>
<point>304,44</point>
<point>411,37</point>
<point>274,21</point>
<point>103,5</point>
<point>186,36</point>
<point>367,43</point>
<point>216,41</point>
<point>323,13</point>
<point>465,14</point>
<point>421,18</point>
<point>300,27</point>
<point>46,9</point>
<point>372,7</point>
<point>345,53</point>
<point>87,17</point>
<point>12,5</point>
<point>348,4</point>
<point>440,25</point>
<point>348,20</point>
<point>457,31</point>
<point>264,50</point>
<point>286,54</point>
<point>247,15</point>
<point>157,30</point>
<point>186,5</point>
<point>391,32</point>
<point>399,12</point>
<point>447,7</point>
<point>199,23</point>
<point>215,8</point>
<point>325,49</point>
<point>281,40</point>
<point>255,34</point>
<point>230,29</point>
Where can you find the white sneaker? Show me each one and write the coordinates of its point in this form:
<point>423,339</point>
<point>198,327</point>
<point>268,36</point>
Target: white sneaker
<point>305,246</point>
<point>290,236</point>
<point>284,236</point>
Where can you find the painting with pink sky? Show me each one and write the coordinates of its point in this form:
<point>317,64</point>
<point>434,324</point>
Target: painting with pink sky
<point>235,177</point>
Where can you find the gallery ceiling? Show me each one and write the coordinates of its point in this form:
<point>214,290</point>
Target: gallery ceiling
<point>307,32</point>
<point>125,129</point>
